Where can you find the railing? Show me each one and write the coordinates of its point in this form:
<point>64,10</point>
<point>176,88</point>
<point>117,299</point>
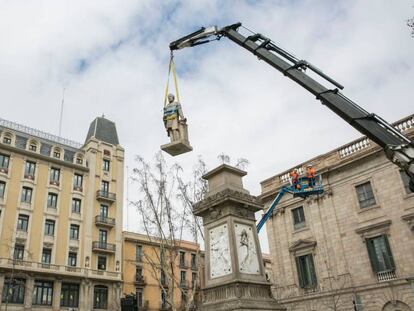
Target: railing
<point>4,170</point>
<point>99,219</point>
<point>77,188</point>
<point>54,182</point>
<point>48,266</point>
<point>183,284</point>
<point>183,265</point>
<point>40,134</point>
<point>100,194</point>
<point>73,269</point>
<point>386,275</point>
<point>354,147</point>
<point>139,280</point>
<point>97,245</point>
<point>29,176</point>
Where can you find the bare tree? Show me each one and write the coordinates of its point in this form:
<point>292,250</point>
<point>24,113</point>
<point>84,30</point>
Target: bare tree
<point>165,207</point>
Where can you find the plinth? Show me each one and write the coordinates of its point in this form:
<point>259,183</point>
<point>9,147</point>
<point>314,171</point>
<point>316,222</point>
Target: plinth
<point>234,275</point>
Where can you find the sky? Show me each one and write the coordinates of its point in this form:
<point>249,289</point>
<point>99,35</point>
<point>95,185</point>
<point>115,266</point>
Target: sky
<point>111,57</point>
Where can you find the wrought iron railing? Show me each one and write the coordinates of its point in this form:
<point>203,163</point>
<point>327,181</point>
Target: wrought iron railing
<point>101,194</point>
<point>100,219</point>
<point>97,245</point>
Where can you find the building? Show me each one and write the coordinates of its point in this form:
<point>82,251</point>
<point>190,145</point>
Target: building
<point>61,219</point>
<point>143,276</point>
<point>351,248</point>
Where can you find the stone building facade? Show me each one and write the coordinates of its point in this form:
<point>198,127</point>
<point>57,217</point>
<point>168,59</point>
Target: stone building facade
<point>60,219</point>
<point>142,274</point>
<point>351,248</point>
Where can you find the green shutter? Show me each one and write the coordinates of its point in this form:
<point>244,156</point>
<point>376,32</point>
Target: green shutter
<point>372,255</point>
<point>299,268</point>
<point>312,271</point>
<point>389,259</point>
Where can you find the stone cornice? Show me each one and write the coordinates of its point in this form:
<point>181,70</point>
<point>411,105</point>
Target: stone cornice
<point>302,244</point>
<point>383,226</point>
<point>249,201</point>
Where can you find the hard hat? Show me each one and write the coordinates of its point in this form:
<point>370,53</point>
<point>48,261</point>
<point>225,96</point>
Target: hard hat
<point>309,165</point>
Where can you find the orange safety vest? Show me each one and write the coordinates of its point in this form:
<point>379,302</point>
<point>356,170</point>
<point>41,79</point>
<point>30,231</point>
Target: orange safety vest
<point>310,172</point>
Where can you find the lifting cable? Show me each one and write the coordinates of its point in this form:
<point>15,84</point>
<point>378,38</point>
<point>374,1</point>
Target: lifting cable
<point>171,69</point>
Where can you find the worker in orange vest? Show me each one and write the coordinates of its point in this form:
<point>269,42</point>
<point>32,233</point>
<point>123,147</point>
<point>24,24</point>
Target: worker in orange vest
<point>310,175</point>
<point>294,175</point>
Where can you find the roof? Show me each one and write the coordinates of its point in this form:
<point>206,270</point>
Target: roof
<point>104,130</point>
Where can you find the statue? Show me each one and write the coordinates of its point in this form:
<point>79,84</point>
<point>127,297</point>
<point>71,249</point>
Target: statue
<point>174,119</point>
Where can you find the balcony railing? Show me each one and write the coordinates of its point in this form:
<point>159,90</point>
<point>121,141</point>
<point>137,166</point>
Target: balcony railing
<point>139,280</point>
<point>184,284</point>
<point>103,246</point>
<point>105,195</point>
<point>54,182</point>
<point>29,176</point>
<point>4,170</point>
<point>386,275</point>
<point>49,266</point>
<point>104,221</point>
<point>183,265</point>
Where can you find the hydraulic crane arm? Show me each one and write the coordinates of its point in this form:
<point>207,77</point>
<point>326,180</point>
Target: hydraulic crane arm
<point>398,148</point>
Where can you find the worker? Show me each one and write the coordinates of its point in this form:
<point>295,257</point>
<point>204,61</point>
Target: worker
<point>173,116</point>
<point>310,175</point>
<point>294,175</point>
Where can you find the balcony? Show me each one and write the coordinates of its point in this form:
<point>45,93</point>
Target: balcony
<point>4,170</point>
<point>78,188</point>
<point>184,284</point>
<point>183,265</point>
<point>105,196</point>
<point>49,266</point>
<point>104,221</point>
<point>387,275</point>
<point>103,247</point>
<point>29,176</point>
<point>139,280</point>
<point>54,183</point>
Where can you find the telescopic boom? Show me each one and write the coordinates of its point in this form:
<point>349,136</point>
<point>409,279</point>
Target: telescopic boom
<point>398,148</point>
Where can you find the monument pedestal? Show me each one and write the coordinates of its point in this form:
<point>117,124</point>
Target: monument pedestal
<point>234,275</point>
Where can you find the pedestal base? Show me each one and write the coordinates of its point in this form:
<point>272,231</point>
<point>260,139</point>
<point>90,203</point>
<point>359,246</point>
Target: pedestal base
<point>239,296</point>
<point>177,147</point>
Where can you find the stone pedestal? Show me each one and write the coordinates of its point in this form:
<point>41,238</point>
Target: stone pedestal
<point>234,275</point>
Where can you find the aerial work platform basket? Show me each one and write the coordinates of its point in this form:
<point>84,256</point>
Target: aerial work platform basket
<point>300,189</point>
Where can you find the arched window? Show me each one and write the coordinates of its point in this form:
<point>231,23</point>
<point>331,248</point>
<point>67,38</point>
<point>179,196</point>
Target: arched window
<point>79,159</point>
<point>7,138</point>
<point>100,297</point>
<point>57,152</point>
<point>33,145</point>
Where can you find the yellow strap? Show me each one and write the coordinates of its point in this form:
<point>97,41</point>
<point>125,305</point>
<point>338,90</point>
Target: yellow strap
<point>171,68</point>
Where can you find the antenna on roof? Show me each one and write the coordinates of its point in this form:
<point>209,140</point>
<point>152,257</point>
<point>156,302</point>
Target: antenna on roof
<point>61,111</point>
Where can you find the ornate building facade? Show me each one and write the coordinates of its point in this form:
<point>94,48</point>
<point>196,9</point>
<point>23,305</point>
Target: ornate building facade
<point>352,247</point>
<point>61,219</point>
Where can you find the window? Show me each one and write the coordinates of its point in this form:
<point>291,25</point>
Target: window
<point>100,297</point>
<point>29,170</point>
<point>56,153</point>
<point>49,227</point>
<point>139,297</point>
<point>138,273</point>
<point>106,165</point>
<point>298,218</point>
<point>103,211</point>
<point>22,222</point>
<point>193,261</point>
<point>164,304</point>
<point>74,232</point>
<point>26,195</point>
<point>183,276</point>
<point>79,160</point>
<point>306,271</point>
<point>69,295</point>
<point>162,278</point>
<point>138,253</point>
<point>72,258</point>
<point>46,255</point>
<point>101,263</point>
<point>380,254</point>
<point>18,252</point>
<point>2,188</point>
<point>405,179</point>
<point>43,293</point>
<point>52,200</point>
<point>103,236</point>
<point>4,162</point>
<point>365,195</point>
<point>105,187</point>
<point>33,147</point>
<point>54,176</point>
<point>77,182</point>
<point>182,259</point>
<point>193,279</point>
<point>13,290</point>
<point>7,140</point>
<point>76,206</point>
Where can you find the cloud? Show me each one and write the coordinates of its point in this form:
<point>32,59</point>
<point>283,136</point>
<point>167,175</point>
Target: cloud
<point>112,57</point>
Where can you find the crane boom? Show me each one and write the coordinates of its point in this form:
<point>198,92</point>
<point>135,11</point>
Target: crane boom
<point>398,148</point>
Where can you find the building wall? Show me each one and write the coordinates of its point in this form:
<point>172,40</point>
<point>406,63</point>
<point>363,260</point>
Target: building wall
<point>336,233</point>
<point>85,273</point>
<point>149,263</point>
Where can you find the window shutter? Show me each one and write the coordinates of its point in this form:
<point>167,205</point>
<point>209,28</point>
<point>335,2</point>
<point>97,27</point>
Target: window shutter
<point>372,255</point>
<point>312,271</point>
<point>390,260</point>
<point>299,268</point>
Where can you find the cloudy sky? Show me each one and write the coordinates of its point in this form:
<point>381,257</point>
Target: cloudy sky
<point>112,58</point>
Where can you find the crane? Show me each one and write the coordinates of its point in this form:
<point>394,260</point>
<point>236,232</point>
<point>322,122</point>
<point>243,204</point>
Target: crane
<point>398,148</point>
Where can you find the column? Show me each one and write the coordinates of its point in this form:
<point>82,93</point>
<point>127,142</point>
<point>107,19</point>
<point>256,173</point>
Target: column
<point>28,295</point>
<point>57,287</point>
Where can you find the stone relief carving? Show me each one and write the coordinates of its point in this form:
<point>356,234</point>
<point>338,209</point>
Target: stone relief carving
<point>246,249</point>
<point>220,259</point>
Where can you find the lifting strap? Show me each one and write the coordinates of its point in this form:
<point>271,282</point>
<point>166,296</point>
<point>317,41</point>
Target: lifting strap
<point>171,69</point>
